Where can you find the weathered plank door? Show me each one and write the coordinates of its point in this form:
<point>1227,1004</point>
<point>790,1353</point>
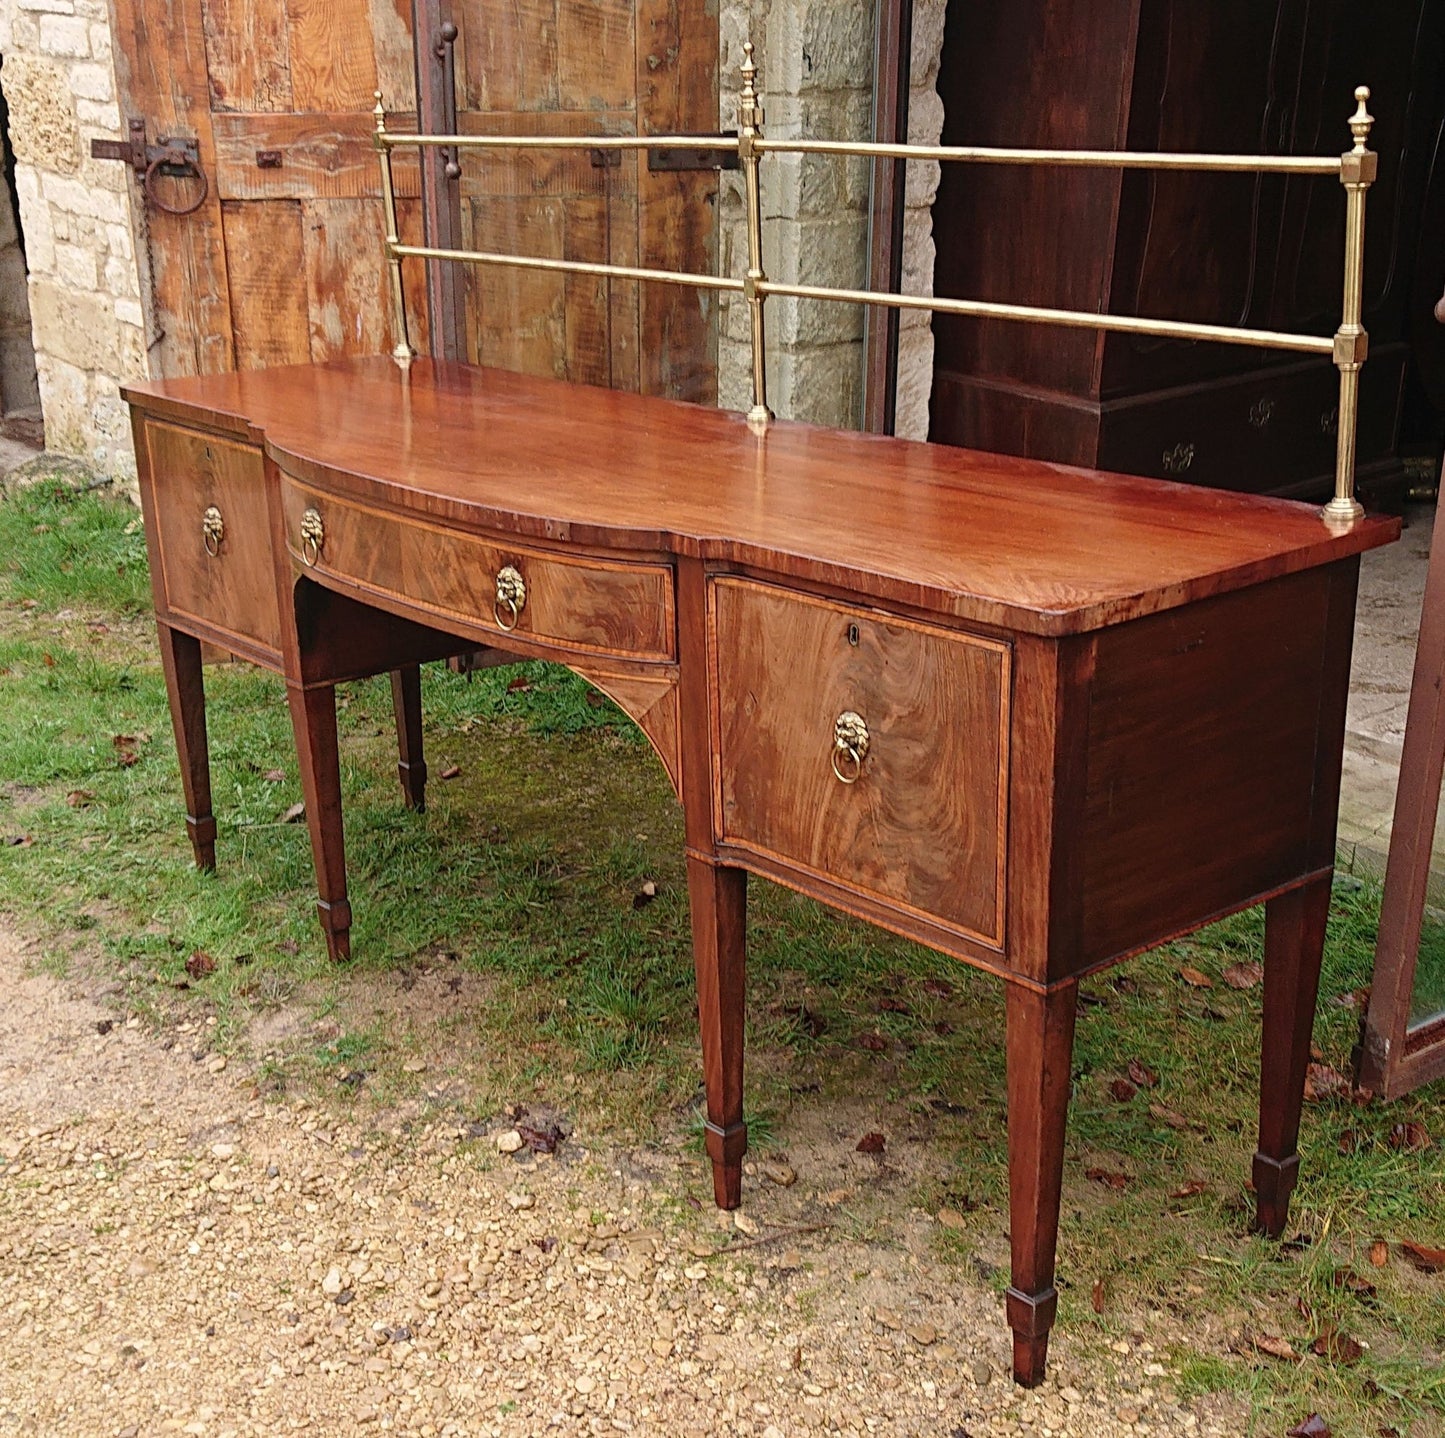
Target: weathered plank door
<point>283,262</point>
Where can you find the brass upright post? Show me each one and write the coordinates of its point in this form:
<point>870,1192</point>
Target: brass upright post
<point>1358,168</point>
<point>750,130</point>
<point>402,351</point>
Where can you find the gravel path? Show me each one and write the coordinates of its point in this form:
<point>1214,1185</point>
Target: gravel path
<point>177,1256</point>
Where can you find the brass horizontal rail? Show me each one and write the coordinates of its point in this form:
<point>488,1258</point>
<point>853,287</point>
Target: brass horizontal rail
<point>390,139</point>
<point>1090,159</point>
<point>569,267</point>
<point>1069,319</point>
<point>969,154</point>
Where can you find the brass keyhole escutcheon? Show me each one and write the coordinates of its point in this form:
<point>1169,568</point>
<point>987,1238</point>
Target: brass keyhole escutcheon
<point>313,536</point>
<point>850,746</point>
<point>511,597</point>
<point>213,530</point>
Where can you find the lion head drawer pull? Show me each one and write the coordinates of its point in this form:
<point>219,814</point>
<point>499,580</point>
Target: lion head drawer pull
<point>511,597</point>
<point>213,530</point>
<point>313,536</point>
<point>850,745</point>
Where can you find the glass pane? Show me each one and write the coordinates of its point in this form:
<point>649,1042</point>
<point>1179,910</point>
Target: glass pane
<point>1427,1002</point>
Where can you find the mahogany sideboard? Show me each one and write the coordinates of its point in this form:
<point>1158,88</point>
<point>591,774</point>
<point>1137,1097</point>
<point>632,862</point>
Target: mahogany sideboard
<point>1035,717</point>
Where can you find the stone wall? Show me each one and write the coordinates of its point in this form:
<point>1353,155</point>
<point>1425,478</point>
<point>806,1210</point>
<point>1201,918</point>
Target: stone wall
<point>816,78</point>
<point>79,224</point>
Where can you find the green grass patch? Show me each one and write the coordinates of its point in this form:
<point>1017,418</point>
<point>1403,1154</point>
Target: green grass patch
<point>522,881</point>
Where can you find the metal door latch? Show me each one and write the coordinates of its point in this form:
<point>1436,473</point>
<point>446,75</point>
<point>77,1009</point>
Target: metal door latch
<point>175,156</point>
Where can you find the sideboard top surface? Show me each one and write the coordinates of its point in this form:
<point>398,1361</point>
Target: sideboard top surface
<point>1018,543</point>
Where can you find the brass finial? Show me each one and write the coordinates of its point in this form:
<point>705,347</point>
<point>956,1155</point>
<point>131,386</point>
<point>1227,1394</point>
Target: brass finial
<point>1361,120</point>
<point>750,112</point>
<point>379,113</point>
<point>749,72</point>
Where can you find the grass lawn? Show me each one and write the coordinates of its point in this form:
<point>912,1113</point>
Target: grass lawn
<point>528,870</point>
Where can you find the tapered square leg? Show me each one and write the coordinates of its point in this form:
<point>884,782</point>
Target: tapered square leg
<point>185,688</point>
<point>313,721</point>
<point>1040,1051</point>
<point>719,910</point>
<point>411,766</point>
<point>1294,944</point>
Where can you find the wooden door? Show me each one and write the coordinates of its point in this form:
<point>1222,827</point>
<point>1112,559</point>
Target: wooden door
<point>283,262</point>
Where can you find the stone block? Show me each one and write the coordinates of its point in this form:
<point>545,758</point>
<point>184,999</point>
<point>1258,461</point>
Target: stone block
<point>75,267</point>
<point>65,36</point>
<point>928,18</point>
<point>99,115</point>
<point>100,39</point>
<point>121,279</point>
<point>42,113</point>
<point>65,403</point>
<point>92,82</point>
<point>915,381</point>
<point>47,7</point>
<point>75,329</point>
<point>76,198</point>
<point>128,312</point>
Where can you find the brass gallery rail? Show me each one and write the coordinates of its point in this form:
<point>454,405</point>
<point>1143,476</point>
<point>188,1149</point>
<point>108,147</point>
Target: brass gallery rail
<point>1348,347</point>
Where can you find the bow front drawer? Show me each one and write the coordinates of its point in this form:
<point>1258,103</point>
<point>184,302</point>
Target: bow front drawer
<point>867,750</point>
<point>554,599</point>
<point>213,532</point>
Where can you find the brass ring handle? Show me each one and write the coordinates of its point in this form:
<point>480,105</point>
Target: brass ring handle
<point>850,746</point>
<point>213,530</point>
<point>313,536</point>
<point>511,598</point>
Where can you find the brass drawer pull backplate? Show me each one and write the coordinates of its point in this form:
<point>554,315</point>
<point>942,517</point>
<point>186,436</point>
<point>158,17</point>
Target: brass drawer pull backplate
<point>850,746</point>
<point>213,530</point>
<point>313,536</point>
<point>511,597</point>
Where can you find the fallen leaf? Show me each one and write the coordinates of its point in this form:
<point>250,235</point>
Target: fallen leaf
<point>1142,1074</point>
<point>871,1143</point>
<point>1195,979</point>
<point>126,757</point>
<point>1323,1081</point>
<point>1121,1090</point>
<point>80,798</point>
<point>1337,1347</point>
<point>812,1024</point>
<point>48,660</point>
<point>874,1043</point>
<point>1192,1189</point>
<point>1427,1260</point>
<point>1109,1178</point>
<point>645,895</point>
<point>1275,1347</point>
<point>1096,1298</point>
<point>519,685</point>
<point>200,964</point>
<point>452,771</point>
<point>1243,976</point>
<point>1313,1427</point>
<point>1125,985</point>
<point>1346,1280</point>
<point>1351,1140</point>
<point>1379,1253</point>
<point>1412,1137</point>
<point>295,814</point>
<point>939,988</point>
<point>541,1140</point>
<point>943,1028</point>
<point>1171,1118</point>
<point>893,1006</point>
<point>273,776</point>
<point>1353,999</point>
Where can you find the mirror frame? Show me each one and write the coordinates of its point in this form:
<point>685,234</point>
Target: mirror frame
<point>1393,1058</point>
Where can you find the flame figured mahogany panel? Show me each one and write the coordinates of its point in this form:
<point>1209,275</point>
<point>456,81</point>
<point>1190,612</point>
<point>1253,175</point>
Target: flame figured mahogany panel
<point>231,589</point>
<point>923,828</point>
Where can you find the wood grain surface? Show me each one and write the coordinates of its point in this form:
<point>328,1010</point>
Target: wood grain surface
<point>992,539</point>
<point>232,590</point>
<point>924,825</point>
